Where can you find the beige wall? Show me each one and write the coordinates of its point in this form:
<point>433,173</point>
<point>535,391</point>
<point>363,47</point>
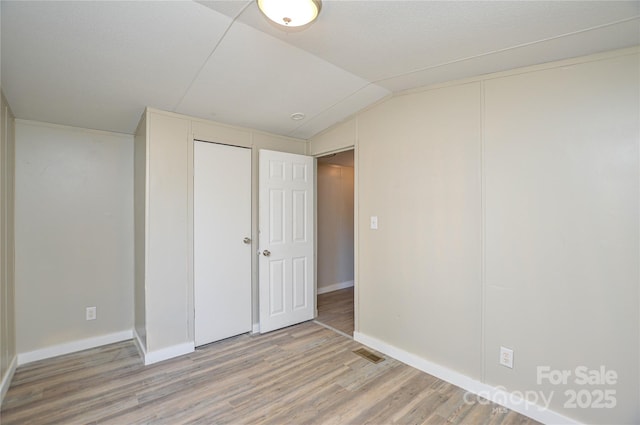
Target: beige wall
<point>562,247</point>
<point>337,138</point>
<point>335,227</point>
<point>139,207</point>
<point>74,234</point>
<point>168,222</point>
<point>7,243</point>
<point>419,173</point>
<point>508,215</point>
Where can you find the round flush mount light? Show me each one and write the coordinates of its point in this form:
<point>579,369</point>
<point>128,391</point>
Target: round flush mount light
<point>290,13</point>
<point>297,116</point>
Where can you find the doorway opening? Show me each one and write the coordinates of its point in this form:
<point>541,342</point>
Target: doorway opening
<point>335,241</point>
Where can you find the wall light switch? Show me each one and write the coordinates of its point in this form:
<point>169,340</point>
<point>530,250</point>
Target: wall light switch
<point>506,357</point>
<point>91,313</point>
<point>374,222</point>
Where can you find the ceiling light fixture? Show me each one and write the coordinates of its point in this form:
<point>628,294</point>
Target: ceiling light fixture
<point>297,116</point>
<point>290,13</point>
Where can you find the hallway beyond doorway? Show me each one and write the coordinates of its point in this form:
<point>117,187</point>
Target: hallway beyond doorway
<point>335,309</point>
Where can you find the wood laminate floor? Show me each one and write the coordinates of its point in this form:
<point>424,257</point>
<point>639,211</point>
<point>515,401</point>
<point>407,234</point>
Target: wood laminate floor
<point>305,374</point>
<point>335,309</point>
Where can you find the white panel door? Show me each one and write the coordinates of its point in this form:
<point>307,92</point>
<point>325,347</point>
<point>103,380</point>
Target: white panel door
<point>222,244</point>
<point>286,240</point>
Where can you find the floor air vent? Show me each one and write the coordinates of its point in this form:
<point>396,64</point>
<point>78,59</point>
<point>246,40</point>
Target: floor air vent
<point>373,358</point>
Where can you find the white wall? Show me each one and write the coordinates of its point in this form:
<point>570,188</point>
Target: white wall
<point>509,215</point>
<point>74,235</point>
<point>335,227</point>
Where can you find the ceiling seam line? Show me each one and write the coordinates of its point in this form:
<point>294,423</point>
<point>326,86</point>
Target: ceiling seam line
<point>531,43</point>
<point>222,37</point>
<point>290,134</point>
<point>376,82</point>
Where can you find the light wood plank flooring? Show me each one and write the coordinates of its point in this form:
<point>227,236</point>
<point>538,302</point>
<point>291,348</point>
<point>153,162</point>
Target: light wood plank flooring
<point>335,309</point>
<point>305,374</point>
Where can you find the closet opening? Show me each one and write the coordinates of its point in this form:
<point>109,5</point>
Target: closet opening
<point>335,241</point>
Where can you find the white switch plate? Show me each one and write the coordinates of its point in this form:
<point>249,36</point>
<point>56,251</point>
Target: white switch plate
<point>506,357</point>
<point>91,313</point>
<point>374,222</point>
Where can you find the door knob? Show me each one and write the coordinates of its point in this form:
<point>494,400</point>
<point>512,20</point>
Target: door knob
<point>246,240</point>
<point>266,253</point>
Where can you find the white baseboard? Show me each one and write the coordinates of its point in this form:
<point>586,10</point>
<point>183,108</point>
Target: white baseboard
<point>497,395</point>
<point>335,287</point>
<point>151,357</point>
<point>156,356</point>
<point>6,379</point>
<point>73,346</point>
<point>255,328</point>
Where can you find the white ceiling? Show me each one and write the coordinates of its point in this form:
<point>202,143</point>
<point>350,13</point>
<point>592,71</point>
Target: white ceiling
<point>97,64</point>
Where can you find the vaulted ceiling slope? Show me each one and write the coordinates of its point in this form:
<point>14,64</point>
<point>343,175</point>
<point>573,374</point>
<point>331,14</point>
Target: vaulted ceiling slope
<point>97,64</point>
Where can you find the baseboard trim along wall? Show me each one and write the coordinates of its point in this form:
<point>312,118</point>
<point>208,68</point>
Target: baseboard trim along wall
<point>72,347</point>
<point>498,396</point>
<point>335,287</point>
<point>151,357</point>
<point>6,379</point>
<point>167,353</point>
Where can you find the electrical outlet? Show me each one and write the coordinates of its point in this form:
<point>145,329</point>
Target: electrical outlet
<point>506,357</point>
<point>91,313</point>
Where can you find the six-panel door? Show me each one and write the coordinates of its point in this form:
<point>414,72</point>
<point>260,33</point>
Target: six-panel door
<point>286,190</point>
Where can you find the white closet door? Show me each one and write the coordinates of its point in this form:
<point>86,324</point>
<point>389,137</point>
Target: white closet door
<point>222,245</point>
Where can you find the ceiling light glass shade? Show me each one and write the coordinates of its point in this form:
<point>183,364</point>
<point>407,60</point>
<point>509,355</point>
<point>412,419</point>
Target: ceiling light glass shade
<point>290,13</point>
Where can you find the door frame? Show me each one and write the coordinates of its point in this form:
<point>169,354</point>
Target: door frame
<point>356,297</point>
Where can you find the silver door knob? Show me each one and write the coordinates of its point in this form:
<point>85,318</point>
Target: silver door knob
<point>246,240</point>
<point>266,253</point>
